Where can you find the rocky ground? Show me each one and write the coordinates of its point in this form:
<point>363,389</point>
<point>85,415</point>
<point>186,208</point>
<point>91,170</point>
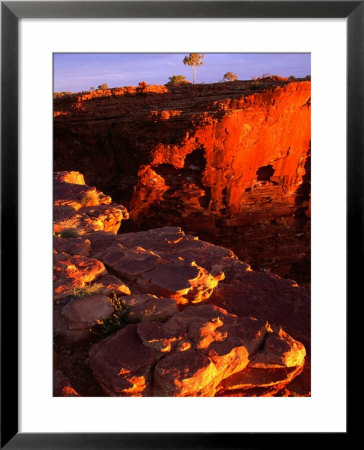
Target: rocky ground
<point>162,313</point>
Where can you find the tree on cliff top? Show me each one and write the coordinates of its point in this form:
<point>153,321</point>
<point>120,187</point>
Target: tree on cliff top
<point>230,76</point>
<point>194,60</point>
<point>177,79</point>
<point>103,86</point>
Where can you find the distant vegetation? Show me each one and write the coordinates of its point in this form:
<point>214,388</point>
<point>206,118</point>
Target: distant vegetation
<point>87,290</point>
<point>177,79</point>
<point>265,75</point>
<point>61,94</point>
<point>230,76</point>
<point>194,60</point>
<point>121,317</point>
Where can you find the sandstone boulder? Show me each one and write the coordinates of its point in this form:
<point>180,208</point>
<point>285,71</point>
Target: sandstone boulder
<point>122,364</point>
<point>129,263</point>
<point>72,246</point>
<point>62,386</point>
<point>113,285</point>
<point>73,271</point>
<point>84,208</point>
<point>182,281</point>
<point>147,307</point>
<point>200,351</point>
<point>74,321</point>
<point>72,177</point>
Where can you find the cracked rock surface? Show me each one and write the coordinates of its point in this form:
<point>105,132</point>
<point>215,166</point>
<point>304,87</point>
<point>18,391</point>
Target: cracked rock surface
<point>200,321</point>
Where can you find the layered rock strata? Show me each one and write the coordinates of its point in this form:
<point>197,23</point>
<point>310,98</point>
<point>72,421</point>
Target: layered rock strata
<point>228,161</point>
<point>83,208</point>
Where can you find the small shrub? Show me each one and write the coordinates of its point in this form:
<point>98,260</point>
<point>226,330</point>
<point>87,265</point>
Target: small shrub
<point>61,94</point>
<point>230,76</point>
<point>121,317</point>
<point>177,79</point>
<point>87,290</point>
<point>292,77</point>
<point>91,198</point>
<point>69,233</point>
<point>103,86</point>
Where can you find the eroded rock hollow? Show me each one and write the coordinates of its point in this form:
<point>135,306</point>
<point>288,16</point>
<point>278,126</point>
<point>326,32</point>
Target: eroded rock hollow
<point>228,162</point>
<point>174,261</point>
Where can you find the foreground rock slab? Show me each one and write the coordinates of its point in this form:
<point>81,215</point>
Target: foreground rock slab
<point>182,317</point>
<point>196,352</point>
<point>83,208</point>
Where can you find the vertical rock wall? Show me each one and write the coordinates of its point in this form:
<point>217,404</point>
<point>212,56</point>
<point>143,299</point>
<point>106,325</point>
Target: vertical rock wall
<point>228,161</point>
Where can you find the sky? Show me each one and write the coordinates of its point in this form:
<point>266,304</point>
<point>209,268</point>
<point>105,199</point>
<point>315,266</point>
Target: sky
<point>79,71</point>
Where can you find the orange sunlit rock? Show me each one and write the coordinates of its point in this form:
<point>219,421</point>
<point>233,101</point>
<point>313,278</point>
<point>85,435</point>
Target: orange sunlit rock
<point>69,177</point>
<point>228,161</point>
<point>73,271</point>
<point>121,359</point>
<point>62,386</point>
<point>83,208</point>
<point>200,351</point>
<point>206,321</point>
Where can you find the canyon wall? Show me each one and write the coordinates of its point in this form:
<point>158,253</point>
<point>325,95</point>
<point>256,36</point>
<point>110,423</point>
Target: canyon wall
<point>229,162</point>
<point>162,313</point>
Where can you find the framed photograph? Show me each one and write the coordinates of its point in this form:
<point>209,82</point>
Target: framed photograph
<point>183,180</point>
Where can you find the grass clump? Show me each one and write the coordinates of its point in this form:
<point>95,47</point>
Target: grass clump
<point>121,317</point>
<point>91,198</point>
<point>69,233</point>
<point>87,290</point>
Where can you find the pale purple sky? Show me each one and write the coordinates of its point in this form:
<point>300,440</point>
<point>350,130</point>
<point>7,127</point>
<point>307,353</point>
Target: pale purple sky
<point>78,71</point>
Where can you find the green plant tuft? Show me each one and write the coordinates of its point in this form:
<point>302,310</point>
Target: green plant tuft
<point>91,198</point>
<point>69,233</point>
<point>87,290</point>
<point>121,317</point>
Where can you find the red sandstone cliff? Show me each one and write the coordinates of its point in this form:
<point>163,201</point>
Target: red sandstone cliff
<point>229,161</point>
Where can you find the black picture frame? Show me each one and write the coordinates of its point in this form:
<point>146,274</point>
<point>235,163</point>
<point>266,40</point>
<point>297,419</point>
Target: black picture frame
<point>11,12</point>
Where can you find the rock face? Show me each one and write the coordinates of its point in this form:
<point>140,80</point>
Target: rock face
<point>83,208</point>
<point>195,353</point>
<point>194,319</point>
<point>75,271</point>
<point>74,320</point>
<point>228,161</point>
